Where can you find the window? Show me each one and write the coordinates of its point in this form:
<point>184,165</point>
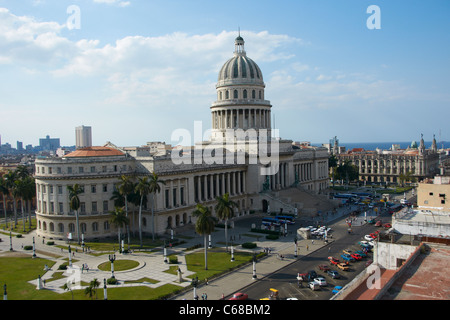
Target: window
<point>105,188</point>
<point>106,225</point>
<point>61,207</point>
<point>58,170</point>
<point>94,206</point>
<point>245,94</point>
<point>69,169</point>
<point>82,207</point>
<point>50,188</point>
<point>60,189</point>
<point>92,169</point>
<point>431,193</point>
<point>95,226</point>
<point>105,206</point>
<point>235,94</point>
<point>253,94</point>
<point>52,207</point>
<point>104,168</point>
<point>50,170</point>
<point>93,188</point>
<point>174,193</point>
<point>166,194</point>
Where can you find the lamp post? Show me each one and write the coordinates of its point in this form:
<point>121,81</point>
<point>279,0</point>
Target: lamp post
<point>254,267</point>
<point>34,249</point>
<point>296,247</point>
<point>5,294</point>
<point>70,257</point>
<point>82,241</point>
<point>112,258</point>
<point>165,252</point>
<point>10,241</point>
<point>105,291</point>
<point>194,284</point>
<point>232,253</point>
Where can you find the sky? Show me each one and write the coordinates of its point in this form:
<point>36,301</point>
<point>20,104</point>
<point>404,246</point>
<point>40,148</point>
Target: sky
<point>137,70</point>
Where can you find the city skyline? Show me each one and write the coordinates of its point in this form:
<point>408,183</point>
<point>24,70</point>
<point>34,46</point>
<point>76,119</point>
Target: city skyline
<point>135,71</point>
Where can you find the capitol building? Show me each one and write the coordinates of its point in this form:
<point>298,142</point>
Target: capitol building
<point>244,157</point>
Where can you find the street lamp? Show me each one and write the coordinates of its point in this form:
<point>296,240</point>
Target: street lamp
<point>232,253</point>
<point>34,249</point>
<point>105,292</point>
<point>5,295</point>
<point>112,258</point>
<point>254,266</point>
<point>165,252</point>
<point>10,241</point>
<point>194,284</point>
<point>70,257</point>
<point>296,247</point>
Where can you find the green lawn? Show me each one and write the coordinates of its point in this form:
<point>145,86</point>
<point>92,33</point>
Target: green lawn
<point>15,272</point>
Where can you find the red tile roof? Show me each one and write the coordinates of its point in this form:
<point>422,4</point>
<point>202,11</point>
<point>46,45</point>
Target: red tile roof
<point>94,152</point>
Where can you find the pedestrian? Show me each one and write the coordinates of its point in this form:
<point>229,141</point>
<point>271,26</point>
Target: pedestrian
<point>312,241</point>
<point>206,296</point>
<point>206,280</point>
<point>307,247</point>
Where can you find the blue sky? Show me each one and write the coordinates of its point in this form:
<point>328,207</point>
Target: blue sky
<point>136,70</point>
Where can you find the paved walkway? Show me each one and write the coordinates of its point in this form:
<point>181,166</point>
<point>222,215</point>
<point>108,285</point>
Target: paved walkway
<point>152,265</point>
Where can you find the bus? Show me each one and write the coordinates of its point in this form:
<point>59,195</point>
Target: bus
<point>286,219</point>
<point>270,222</point>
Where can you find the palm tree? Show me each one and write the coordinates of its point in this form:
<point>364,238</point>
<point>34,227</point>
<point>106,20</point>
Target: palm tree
<point>20,191</point>
<point>93,285</point>
<point>67,287</point>
<point>204,225</point>
<point>74,203</point>
<point>30,192</point>
<point>225,210</point>
<point>125,188</point>
<point>143,188</point>
<point>154,187</point>
<point>119,219</point>
<point>117,198</point>
<point>5,192</point>
<point>10,177</point>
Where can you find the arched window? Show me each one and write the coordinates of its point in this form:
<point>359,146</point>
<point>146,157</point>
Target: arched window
<point>245,94</point>
<point>235,95</point>
<point>260,94</point>
<point>220,95</point>
<point>227,95</point>
<point>253,94</point>
<point>60,228</point>
<point>95,226</point>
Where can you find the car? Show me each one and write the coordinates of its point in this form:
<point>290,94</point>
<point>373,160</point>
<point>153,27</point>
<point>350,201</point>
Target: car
<point>321,281</point>
<point>336,289</point>
<point>347,258</point>
<point>333,260</point>
<point>312,274</point>
<point>324,267</point>
<point>361,253</point>
<point>239,296</point>
<point>372,221</point>
<point>342,266</point>
<point>387,225</point>
<point>314,286</point>
<point>333,274</point>
<point>346,251</point>
<point>355,256</point>
<point>365,244</point>
<point>368,237</point>
<point>378,223</point>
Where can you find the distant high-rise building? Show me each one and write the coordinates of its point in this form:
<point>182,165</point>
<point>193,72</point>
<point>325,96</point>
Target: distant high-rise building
<point>19,146</point>
<point>49,144</point>
<point>83,137</point>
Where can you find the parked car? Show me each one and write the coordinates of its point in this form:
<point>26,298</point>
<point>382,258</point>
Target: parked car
<point>356,256</point>
<point>311,275</point>
<point>378,223</point>
<point>333,260</point>
<point>361,253</point>
<point>333,274</point>
<point>368,237</point>
<point>321,281</point>
<point>336,289</point>
<point>239,296</point>
<point>342,266</point>
<point>314,285</point>
<point>347,257</point>
<point>324,267</point>
<point>387,225</point>
<point>346,251</point>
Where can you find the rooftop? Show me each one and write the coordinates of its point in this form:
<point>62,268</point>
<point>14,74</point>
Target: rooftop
<point>94,152</point>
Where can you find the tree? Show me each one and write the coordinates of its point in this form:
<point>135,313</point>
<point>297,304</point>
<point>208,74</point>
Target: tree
<point>225,210</point>
<point>143,188</point>
<point>5,192</point>
<point>125,188</point>
<point>10,177</point>
<point>154,187</point>
<point>119,219</point>
<point>20,191</point>
<point>332,164</point>
<point>204,225</point>
<point>67,287</point>
<point>347,171</point>
<point>74,204</point>
<point>92,288</point>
